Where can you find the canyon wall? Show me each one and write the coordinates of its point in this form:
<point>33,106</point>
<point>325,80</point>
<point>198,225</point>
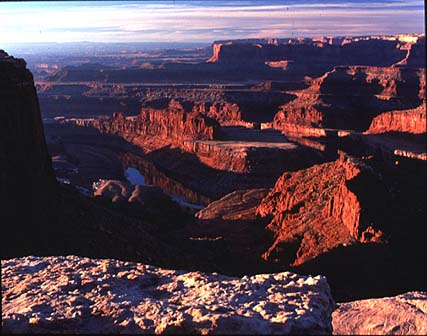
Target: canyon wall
<point>319,208</point>
<point>28,184</point>
<point>251,157</point>
<point>231,106</point>
<point>159,127</point>
<point>292,53</point>
<point>350,97</point>
<point>408,121</point>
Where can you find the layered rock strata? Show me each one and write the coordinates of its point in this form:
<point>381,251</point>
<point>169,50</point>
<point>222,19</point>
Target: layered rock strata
<point>169,126</point>
<point>42,218</point>
<point>319,208</point>
<point>245,157</point>
<point>238,205</point>
<point>364,52</point>
<point>407,121</point>
<point>350,97</point>
<point>82,295</point>
<point>294,59</point>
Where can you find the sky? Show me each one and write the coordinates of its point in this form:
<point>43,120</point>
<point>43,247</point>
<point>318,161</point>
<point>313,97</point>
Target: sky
<point>203,21</point>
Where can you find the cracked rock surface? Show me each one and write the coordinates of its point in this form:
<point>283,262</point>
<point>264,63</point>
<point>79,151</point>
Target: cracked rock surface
<point>404,314</point>
<point>82,295</point>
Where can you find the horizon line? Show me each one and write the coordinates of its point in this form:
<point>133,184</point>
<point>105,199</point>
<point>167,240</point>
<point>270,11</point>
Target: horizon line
<point>220,40</point>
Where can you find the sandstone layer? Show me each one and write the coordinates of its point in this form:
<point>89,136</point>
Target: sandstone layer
<point>157,128</point>
<point>192,148</point>
<point>319,208</point>
<point>353,52</point>
<point>238,205</point>
<point>405,314</point>
<point>350,97</point>
<point>407,121</point>
<point>82,295</point>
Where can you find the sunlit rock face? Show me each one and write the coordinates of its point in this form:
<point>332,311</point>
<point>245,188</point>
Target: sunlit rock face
<point>404,314</point>
<point>316,209</point>
<point>407,121</point>
<point>72,294</point>
<point>158,127</point>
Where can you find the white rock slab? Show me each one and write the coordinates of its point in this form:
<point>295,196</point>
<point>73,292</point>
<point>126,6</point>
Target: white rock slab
<point>81,295</point>
<point>404,314</point>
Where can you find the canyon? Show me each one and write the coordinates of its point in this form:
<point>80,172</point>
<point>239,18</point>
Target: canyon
<point>312,218</point>
<point>312,167</point>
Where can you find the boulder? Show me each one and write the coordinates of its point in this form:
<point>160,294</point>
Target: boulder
<point>404,314</point>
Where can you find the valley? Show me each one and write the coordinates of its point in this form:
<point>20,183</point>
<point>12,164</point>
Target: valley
<point>243,158</point>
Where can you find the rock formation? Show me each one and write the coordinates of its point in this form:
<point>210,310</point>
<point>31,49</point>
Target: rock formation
<point>157,128</point>
<point>224,112</point>
<point>248,157</point>
<point>28,186</point>
<point>189,142</point>
<point>408,121</point>
<point>355,52</point>
<point>350,97</point>
<point>120,191</point>
<point>296,58</point>
<point>82,295</point>
<point>405,314</point>
<point>154,176</point>
<point>41,218</point>
<point>336,218</point>
<point>319,208</point>
<point>240,204</point>
<point>416,54</point>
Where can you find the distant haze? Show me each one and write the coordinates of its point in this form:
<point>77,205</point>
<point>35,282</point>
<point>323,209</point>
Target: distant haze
<point>203,21</point>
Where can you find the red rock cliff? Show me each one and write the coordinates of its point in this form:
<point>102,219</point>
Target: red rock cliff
<point>350,97</point>
<point>408,121</point>
<point>316,209</point>
<point>160,127</point>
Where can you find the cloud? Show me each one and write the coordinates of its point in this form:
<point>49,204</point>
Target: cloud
<point>203,21</point>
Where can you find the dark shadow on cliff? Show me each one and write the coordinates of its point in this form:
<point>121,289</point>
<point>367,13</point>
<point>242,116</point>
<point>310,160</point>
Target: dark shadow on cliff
<point>369,270</point>
<point>214,183</point>
<point>234,246</point>
<point>259,106</point>
<point>351,102</point>
<point>397,207</point>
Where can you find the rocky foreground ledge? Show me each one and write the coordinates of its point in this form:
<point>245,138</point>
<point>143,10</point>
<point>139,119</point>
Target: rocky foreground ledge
<point>404,314</point>
<point>81,295</point>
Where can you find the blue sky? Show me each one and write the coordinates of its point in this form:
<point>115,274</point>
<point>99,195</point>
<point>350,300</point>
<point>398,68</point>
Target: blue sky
<point>203,21</point>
